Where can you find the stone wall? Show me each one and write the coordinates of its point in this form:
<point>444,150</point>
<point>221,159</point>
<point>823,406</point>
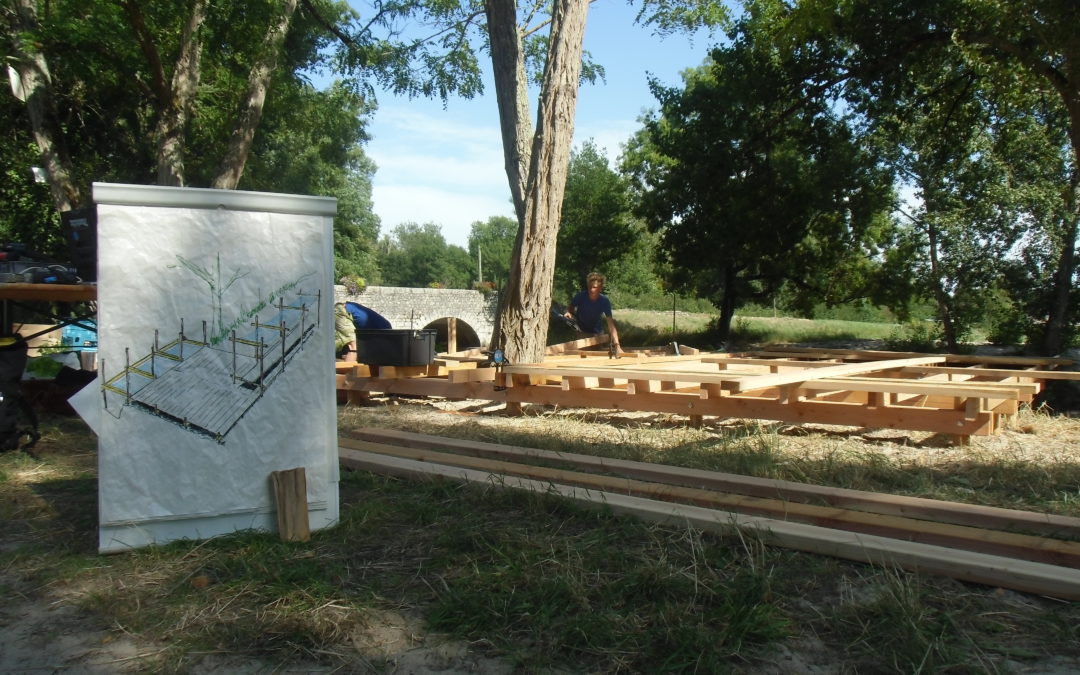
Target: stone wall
<point>419,308</point>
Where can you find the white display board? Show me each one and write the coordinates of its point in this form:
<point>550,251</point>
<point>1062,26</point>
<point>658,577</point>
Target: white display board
<point>215,361</point>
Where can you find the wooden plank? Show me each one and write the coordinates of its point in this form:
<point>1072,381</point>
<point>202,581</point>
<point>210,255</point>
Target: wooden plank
<point>1037,578</point>
<point>999,372</point>
<point>880,384</point>
<point>471,375</point>
<point>577,344</point>
<point>1051,551</point>
<point>48,292</point>
<point>937,420</point>
<point>750,383</point>
<point>290,496</point>
<point>957,513</point>
<point>626,373</point>
<point>951,359</point>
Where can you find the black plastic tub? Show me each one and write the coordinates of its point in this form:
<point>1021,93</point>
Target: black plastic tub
<point>395,347</point>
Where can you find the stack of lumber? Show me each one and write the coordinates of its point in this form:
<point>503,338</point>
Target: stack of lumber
<point>951,394</point>
<point>993,546</point>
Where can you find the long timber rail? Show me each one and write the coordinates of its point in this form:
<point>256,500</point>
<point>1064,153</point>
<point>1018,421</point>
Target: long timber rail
<point>1021,550</point>
<point>958,395</point>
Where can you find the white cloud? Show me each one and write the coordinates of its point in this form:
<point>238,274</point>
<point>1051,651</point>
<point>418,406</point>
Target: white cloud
<point>608,135</point>
<point>435,166</point>
<point>454,211</point>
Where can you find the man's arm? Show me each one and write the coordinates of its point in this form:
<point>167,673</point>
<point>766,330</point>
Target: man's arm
<point>613,334</point>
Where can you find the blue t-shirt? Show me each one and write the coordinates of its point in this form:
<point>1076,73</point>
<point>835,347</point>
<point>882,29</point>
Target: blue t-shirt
<point>590,314</point>
<point>365,318</point>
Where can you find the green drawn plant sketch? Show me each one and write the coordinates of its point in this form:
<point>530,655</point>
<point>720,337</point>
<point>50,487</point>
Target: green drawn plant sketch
<point>217,288</point>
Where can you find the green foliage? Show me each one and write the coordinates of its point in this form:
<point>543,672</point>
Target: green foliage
<point>28,215</point>
<point>915,336</point>
<point>968,102</point>
<point>108,101</point>
<point>751,186</point>
<point>597,228</point>
<point>491,243</point>
<point>310,143</point>
<point>417,256</point>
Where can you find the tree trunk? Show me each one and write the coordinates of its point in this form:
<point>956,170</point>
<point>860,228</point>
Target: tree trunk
<point>941,296</point>
<point>232,164</point>
<point>524,309</point>
<point>35,82</point>
<point>728,300</point>
<point>512,95</point>
<point>1054,337</point>
<point>176,107</point>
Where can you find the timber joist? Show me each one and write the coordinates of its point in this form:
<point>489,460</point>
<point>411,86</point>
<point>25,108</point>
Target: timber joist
<point>988,545</point>
<point>959,395</point>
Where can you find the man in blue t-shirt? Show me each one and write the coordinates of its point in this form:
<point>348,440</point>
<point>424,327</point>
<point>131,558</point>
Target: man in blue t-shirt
<point>591,308</point>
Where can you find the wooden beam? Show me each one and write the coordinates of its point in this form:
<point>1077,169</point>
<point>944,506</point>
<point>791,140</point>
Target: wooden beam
<point>1051,551</point>
<point>957,513</point>
<point>752,382</point>
<point>1030,577</point>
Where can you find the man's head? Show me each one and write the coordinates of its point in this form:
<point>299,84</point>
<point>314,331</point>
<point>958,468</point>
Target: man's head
<point>594,283</point>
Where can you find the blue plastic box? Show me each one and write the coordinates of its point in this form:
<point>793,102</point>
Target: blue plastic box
<point>79,338</point>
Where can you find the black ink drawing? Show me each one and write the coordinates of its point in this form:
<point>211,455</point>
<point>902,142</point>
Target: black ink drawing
<point>207,385</point>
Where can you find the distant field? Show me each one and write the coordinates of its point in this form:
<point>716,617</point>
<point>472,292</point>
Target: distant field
<point>650,327</point>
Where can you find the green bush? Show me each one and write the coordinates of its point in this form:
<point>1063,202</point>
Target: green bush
<point>915,336</point>
<point>660,302</point>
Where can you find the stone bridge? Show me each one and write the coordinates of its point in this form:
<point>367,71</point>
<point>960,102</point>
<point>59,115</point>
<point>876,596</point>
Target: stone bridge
<point>462,319</point>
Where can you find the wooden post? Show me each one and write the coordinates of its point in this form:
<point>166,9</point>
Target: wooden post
<point>290,496</point>
<point>451,335</point>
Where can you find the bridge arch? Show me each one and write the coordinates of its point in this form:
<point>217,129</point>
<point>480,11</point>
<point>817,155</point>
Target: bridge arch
<point>472,311</point>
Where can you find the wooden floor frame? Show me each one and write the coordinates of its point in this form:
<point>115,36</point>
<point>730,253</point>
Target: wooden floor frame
<point>957,395</point>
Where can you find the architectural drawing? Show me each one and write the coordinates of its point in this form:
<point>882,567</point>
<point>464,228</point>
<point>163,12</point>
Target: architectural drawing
<point>207,385</point>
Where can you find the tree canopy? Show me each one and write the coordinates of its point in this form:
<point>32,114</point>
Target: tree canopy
<point>171,93</point>
<point>752,188</point>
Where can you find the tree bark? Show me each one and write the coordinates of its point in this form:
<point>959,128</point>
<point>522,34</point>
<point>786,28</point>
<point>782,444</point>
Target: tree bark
<point>232,164</point>
<point>35,81</point>
<point>524,308</point>
<point>175,106</point>
<point>1054,335</point>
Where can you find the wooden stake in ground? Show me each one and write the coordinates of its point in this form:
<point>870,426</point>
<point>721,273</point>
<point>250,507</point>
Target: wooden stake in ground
<point>290,496</point>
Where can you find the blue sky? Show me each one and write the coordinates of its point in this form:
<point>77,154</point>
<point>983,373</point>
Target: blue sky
<point>445,166</point>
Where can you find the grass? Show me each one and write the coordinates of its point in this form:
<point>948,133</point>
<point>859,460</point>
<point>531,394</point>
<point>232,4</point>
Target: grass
<point>530,583</point>
<point>647,328</point>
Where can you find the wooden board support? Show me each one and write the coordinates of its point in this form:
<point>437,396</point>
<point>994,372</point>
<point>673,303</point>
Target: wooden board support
<point>290,496</point>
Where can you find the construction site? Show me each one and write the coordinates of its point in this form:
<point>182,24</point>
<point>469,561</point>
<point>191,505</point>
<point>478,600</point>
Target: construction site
<point>955,398</point>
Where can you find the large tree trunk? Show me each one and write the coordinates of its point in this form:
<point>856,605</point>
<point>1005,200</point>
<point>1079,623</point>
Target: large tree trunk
<point>1054,336</point>
<point>941,295</point>
<point>35,85</point>
<point>524,307</point>
<point>232,164</point>
<point>174,100</point>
